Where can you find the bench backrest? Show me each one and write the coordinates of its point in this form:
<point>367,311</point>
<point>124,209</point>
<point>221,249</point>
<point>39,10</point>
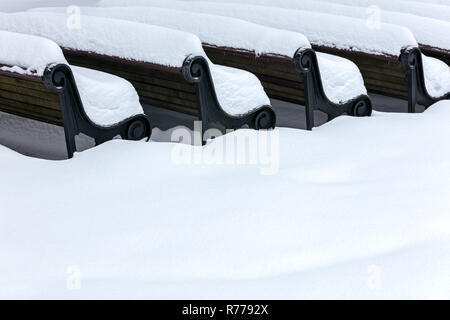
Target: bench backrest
<point>427,31</point>
<point>212,30</point>
<point>121,39</point>
<point>30,53</point>
<point>338,32</point>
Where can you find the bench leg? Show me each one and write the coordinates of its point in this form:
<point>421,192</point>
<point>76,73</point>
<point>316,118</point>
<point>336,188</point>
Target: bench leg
<point>412,94</point>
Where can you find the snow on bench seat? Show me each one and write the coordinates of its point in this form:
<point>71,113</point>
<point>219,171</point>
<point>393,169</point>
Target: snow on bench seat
<point>142,43</point>
<point>437,77</point>
<point>341,79</point>
<point>107,99</point>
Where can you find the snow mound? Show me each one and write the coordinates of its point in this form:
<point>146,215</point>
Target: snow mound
<point>437,76</point>
<point>238,88</point>
<point>384,216</point>
<point>107,99</point>
<point>341,78</point>
<point>441,12</point>
<point>22,51</point>
<point>320,28</point>
<point>138,42</point>
<point>117,38</point>
<point>427,31</point>
<point>211,29</point>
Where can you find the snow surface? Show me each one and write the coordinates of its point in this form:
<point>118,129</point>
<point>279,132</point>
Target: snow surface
<point>430,10</point>
<point>437,76</point>
<point>211,29</point>
<point>107,99</point>
<point>427,31</point>
<point>341,78</point>
<point>124,39</point>
<point>320,29</point>
<point>383,231</point>
<point>16,53</point>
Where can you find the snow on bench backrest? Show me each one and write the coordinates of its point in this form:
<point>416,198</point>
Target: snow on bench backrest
<point>427,31</point>
<point>239,34</point>
<point>320,29</point>
<point>144,43</point>
<point>431,10</point>
<point>117,38</point>
<point>31,53</point>
<point>211,29</point>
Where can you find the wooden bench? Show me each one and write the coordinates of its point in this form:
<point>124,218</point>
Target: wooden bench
<point>283,61</point>
<point>169,71</point>
<point>380,64</point>
<point>54,96</point>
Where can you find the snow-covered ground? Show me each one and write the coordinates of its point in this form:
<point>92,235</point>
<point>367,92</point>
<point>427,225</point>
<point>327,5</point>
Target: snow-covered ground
<point>358,208</point>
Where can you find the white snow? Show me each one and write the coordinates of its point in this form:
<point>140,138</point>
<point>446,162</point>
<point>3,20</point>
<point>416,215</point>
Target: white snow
<point>239,89</point>
<point>441,12</point>
<point>363,213</point>
<point>320,28</point>
<point>437,76</point>
<point>427,31</point>
<point>107,36</point>
<point>125,39</point>
<point>15,52</point>
<point>341,78</point>
<point>106,98</point>
<point>211,29</point>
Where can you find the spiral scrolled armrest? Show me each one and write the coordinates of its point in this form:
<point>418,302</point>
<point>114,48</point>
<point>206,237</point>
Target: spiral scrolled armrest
<point>194,68</point>
<point>410,57</point>
<point>56,76</point>
<point>304,59</point>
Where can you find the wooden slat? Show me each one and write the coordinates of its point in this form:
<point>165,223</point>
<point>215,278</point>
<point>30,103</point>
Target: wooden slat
<point>30,111</point>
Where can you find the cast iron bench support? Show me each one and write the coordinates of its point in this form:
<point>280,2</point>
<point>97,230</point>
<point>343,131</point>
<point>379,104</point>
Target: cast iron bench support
<point>411,59</point>
<point>305,61</point>
<point>196,70</point>
<point>59,78</point>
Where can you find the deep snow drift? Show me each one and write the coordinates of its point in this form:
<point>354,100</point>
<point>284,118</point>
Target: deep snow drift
<point>358,208</point>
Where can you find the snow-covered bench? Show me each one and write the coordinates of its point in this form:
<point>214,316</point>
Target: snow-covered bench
<point>37,82</point>
<point>378,52</point>
<point>333,85</point>
<point>168,68</point>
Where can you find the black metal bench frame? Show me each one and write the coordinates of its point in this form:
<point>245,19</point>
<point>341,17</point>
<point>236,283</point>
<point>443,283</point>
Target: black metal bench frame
<point>59,78</point>
<point>305,61</point>
<point>196,70</point>
<point>411,59</point>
